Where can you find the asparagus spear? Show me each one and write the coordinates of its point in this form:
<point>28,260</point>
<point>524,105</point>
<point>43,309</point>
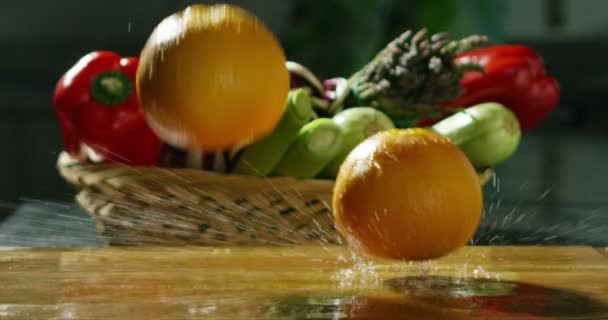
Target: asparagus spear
<point>262,157</point>
<point>318,143</point>
<point>411,76</point>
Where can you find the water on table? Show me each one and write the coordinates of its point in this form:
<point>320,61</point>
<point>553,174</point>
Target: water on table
<point>301,283</point>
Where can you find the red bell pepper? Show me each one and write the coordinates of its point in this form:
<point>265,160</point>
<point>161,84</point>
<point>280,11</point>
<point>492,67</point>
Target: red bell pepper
<point>515,77</point>
<point>98,109</point>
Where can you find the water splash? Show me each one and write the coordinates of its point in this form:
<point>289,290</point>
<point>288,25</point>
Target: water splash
<point>537,219</point>
<point>504,221</point>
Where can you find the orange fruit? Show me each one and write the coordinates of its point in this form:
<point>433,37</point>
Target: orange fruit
<point>407,194</point>
<point>212,77</point>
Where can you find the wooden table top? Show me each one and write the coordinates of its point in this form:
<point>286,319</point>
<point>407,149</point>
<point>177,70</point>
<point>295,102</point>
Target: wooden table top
<point>301,283</point>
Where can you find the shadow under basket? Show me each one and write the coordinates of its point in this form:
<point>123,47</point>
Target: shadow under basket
<point>166,206</point>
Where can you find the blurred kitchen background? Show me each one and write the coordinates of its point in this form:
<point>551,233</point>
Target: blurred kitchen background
<point>557,176</point>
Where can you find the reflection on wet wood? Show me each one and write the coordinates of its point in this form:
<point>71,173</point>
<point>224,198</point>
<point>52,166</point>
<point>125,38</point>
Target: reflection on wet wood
<point>300,282</point>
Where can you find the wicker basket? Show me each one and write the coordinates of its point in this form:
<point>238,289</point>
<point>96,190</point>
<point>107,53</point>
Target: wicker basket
<point>160,206</point>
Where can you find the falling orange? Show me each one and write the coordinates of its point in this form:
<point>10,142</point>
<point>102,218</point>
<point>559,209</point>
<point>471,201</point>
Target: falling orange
<point>407,194</point>
<point>212,77</point>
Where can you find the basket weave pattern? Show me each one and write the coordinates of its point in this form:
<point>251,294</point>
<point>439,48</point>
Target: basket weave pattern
<point>160,206</point>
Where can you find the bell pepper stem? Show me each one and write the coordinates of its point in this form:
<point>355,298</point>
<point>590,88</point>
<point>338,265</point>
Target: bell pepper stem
<point>111,88</point>
<point>464,67</point>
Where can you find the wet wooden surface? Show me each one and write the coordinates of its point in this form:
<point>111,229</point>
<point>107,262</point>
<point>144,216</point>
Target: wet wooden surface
<point>301,283</point>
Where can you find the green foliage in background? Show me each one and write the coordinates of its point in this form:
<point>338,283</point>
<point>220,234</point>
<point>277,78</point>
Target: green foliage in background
<point>336,37</point>
<point>333,36</point>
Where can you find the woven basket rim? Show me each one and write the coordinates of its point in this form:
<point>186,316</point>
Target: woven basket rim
<point>66,165</point>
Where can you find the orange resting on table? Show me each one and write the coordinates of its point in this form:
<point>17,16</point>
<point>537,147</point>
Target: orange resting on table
<point>407,194</point>
<point>212,77</point>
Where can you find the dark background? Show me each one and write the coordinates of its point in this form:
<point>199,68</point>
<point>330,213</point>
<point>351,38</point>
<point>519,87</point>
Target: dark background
<point>557,175</point>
